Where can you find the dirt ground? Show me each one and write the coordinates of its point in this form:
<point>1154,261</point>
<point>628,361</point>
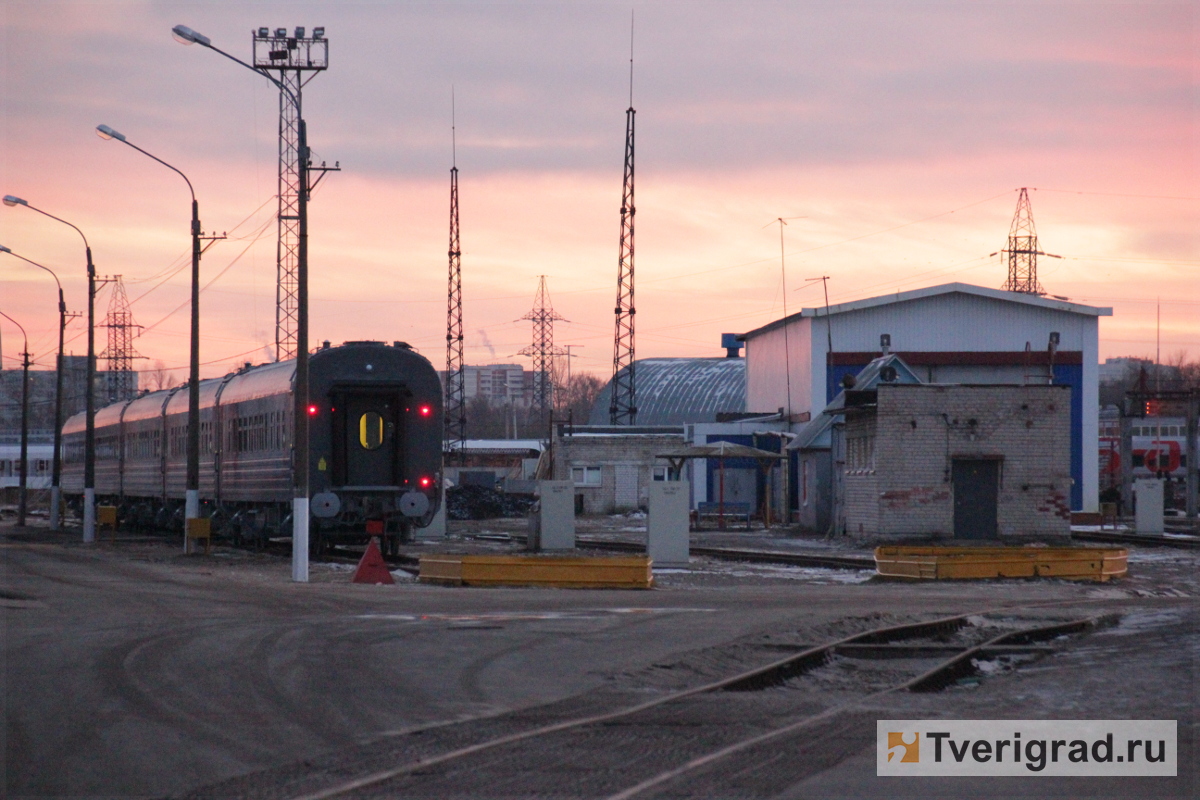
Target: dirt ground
<point>134,670</point>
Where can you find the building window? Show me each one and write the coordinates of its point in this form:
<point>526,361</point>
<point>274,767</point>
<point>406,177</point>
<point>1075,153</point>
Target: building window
<point>585,476</point>
<point>658,473</point>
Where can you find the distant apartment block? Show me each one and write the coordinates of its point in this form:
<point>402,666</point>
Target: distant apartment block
<point>501,384</point>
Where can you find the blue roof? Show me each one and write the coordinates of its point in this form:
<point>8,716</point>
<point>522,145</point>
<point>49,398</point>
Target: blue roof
<point>815,435</point>
<point>676,391</point>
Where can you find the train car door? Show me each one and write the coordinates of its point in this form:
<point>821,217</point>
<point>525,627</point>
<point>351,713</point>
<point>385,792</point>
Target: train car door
<point>367,439</point>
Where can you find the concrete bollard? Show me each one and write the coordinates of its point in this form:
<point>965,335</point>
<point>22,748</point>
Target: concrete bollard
<point>1148,493</point>
<point>667,541</point>
<point>556,515</point>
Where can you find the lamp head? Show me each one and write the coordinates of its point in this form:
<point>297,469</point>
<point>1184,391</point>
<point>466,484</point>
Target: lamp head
<point>185,35</point>
<point>105,132</point>
<point>9,200</point>
<point>4,249</point>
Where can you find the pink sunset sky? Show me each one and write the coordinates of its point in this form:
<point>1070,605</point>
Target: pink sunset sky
<point>896,134</point>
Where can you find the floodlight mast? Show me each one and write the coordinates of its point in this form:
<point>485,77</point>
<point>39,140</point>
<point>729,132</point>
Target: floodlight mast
<point>300,453</point>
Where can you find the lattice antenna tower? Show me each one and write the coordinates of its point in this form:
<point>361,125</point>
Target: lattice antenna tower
<point>542,350</point>
<point>1023,250</point>
<point>623,408</point>
<point>120,381</point>
<point>294,56</point>
<point>456,409</point>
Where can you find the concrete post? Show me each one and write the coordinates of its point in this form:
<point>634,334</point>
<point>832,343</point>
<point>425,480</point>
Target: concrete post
<point>667,541</point>
<point>556,515</point>
<point>1149,517</point>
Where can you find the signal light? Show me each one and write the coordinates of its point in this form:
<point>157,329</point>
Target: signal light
<point>426,482</point>
<point>312,411</point>
<point>425,411</point>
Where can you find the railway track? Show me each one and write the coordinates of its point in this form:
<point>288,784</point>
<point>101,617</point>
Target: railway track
<point>682,741</point>
<point>1153,540</point>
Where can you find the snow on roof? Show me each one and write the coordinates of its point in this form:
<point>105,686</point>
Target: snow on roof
<point>676,391</point>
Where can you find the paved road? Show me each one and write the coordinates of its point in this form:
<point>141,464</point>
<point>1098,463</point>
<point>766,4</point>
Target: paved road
<point>134,671</point>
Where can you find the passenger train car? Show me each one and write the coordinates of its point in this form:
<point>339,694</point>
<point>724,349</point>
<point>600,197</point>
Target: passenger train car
<point>1159,445</point>
<point>375,448</point>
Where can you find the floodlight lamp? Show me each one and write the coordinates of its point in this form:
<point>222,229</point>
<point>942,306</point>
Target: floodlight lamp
<point>185,35</point>
<point>318,32</point>
<point>263,33</point>
<point>10,200</point>
<point>299,33</point>
<point>281,33</point>
<point>105,132</point>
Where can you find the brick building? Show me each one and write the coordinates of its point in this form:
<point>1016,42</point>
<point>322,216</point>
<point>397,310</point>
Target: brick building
<point>958,461</point>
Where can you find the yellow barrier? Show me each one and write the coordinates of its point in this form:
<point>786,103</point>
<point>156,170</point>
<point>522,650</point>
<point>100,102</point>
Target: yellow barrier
<point>631,572</point>
<point>199,528</point>
<point>951,563</point>
<point>107,515</point>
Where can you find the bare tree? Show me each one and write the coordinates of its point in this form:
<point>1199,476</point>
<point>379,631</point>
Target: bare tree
<point>159,378</point>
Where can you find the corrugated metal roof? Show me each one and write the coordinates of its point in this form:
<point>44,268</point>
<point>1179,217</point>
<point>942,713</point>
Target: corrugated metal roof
<point>676,391</point>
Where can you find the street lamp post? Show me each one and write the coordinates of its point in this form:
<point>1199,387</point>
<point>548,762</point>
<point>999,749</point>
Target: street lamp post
<point>89,439</point>
<point>192,503</point>
<point>23,497</point>
<point>56,475</point>
<point>300,411</point>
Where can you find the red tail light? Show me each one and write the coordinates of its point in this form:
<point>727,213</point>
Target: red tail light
<point>425,411</point>
<point>426,482</point>
<point>312,411</point>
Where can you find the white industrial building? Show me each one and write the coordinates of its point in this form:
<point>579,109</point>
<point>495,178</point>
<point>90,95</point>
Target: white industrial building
<point>954,333</point>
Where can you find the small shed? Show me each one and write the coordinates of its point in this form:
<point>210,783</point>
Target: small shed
<point>958,462</point>
<point>812,449</point>
<point>612,467</point>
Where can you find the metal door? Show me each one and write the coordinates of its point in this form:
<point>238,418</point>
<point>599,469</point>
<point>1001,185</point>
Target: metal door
<point>370,440</point>
<point>976,492</point>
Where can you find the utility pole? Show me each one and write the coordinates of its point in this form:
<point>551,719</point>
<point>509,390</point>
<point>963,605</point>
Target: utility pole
<point>456,408</point>
<point>1023,250</point>
<point>542,350</point>
<point>622,409</point>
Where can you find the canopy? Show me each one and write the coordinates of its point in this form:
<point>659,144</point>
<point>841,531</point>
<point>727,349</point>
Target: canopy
<point>719,450</point>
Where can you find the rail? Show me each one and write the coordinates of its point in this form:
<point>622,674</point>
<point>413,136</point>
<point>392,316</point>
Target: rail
<point>874,643</point>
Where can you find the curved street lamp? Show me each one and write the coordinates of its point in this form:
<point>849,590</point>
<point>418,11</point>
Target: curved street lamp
<point>23,501</point>
<point>56,475</point>
<point>192,502</point>
<point>89,447</point>
<point>300,522</point>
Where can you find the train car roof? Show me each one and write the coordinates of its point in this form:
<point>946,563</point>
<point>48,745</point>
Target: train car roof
<point>261,381</point>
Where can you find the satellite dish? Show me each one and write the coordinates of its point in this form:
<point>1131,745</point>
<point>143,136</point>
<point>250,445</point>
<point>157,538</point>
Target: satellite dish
<point>888,374</point>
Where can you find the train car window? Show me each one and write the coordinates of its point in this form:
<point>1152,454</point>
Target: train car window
<point>370,430</point>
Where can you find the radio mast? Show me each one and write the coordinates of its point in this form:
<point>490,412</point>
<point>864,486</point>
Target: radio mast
<point>623,408</point>
<point>456,411</point>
